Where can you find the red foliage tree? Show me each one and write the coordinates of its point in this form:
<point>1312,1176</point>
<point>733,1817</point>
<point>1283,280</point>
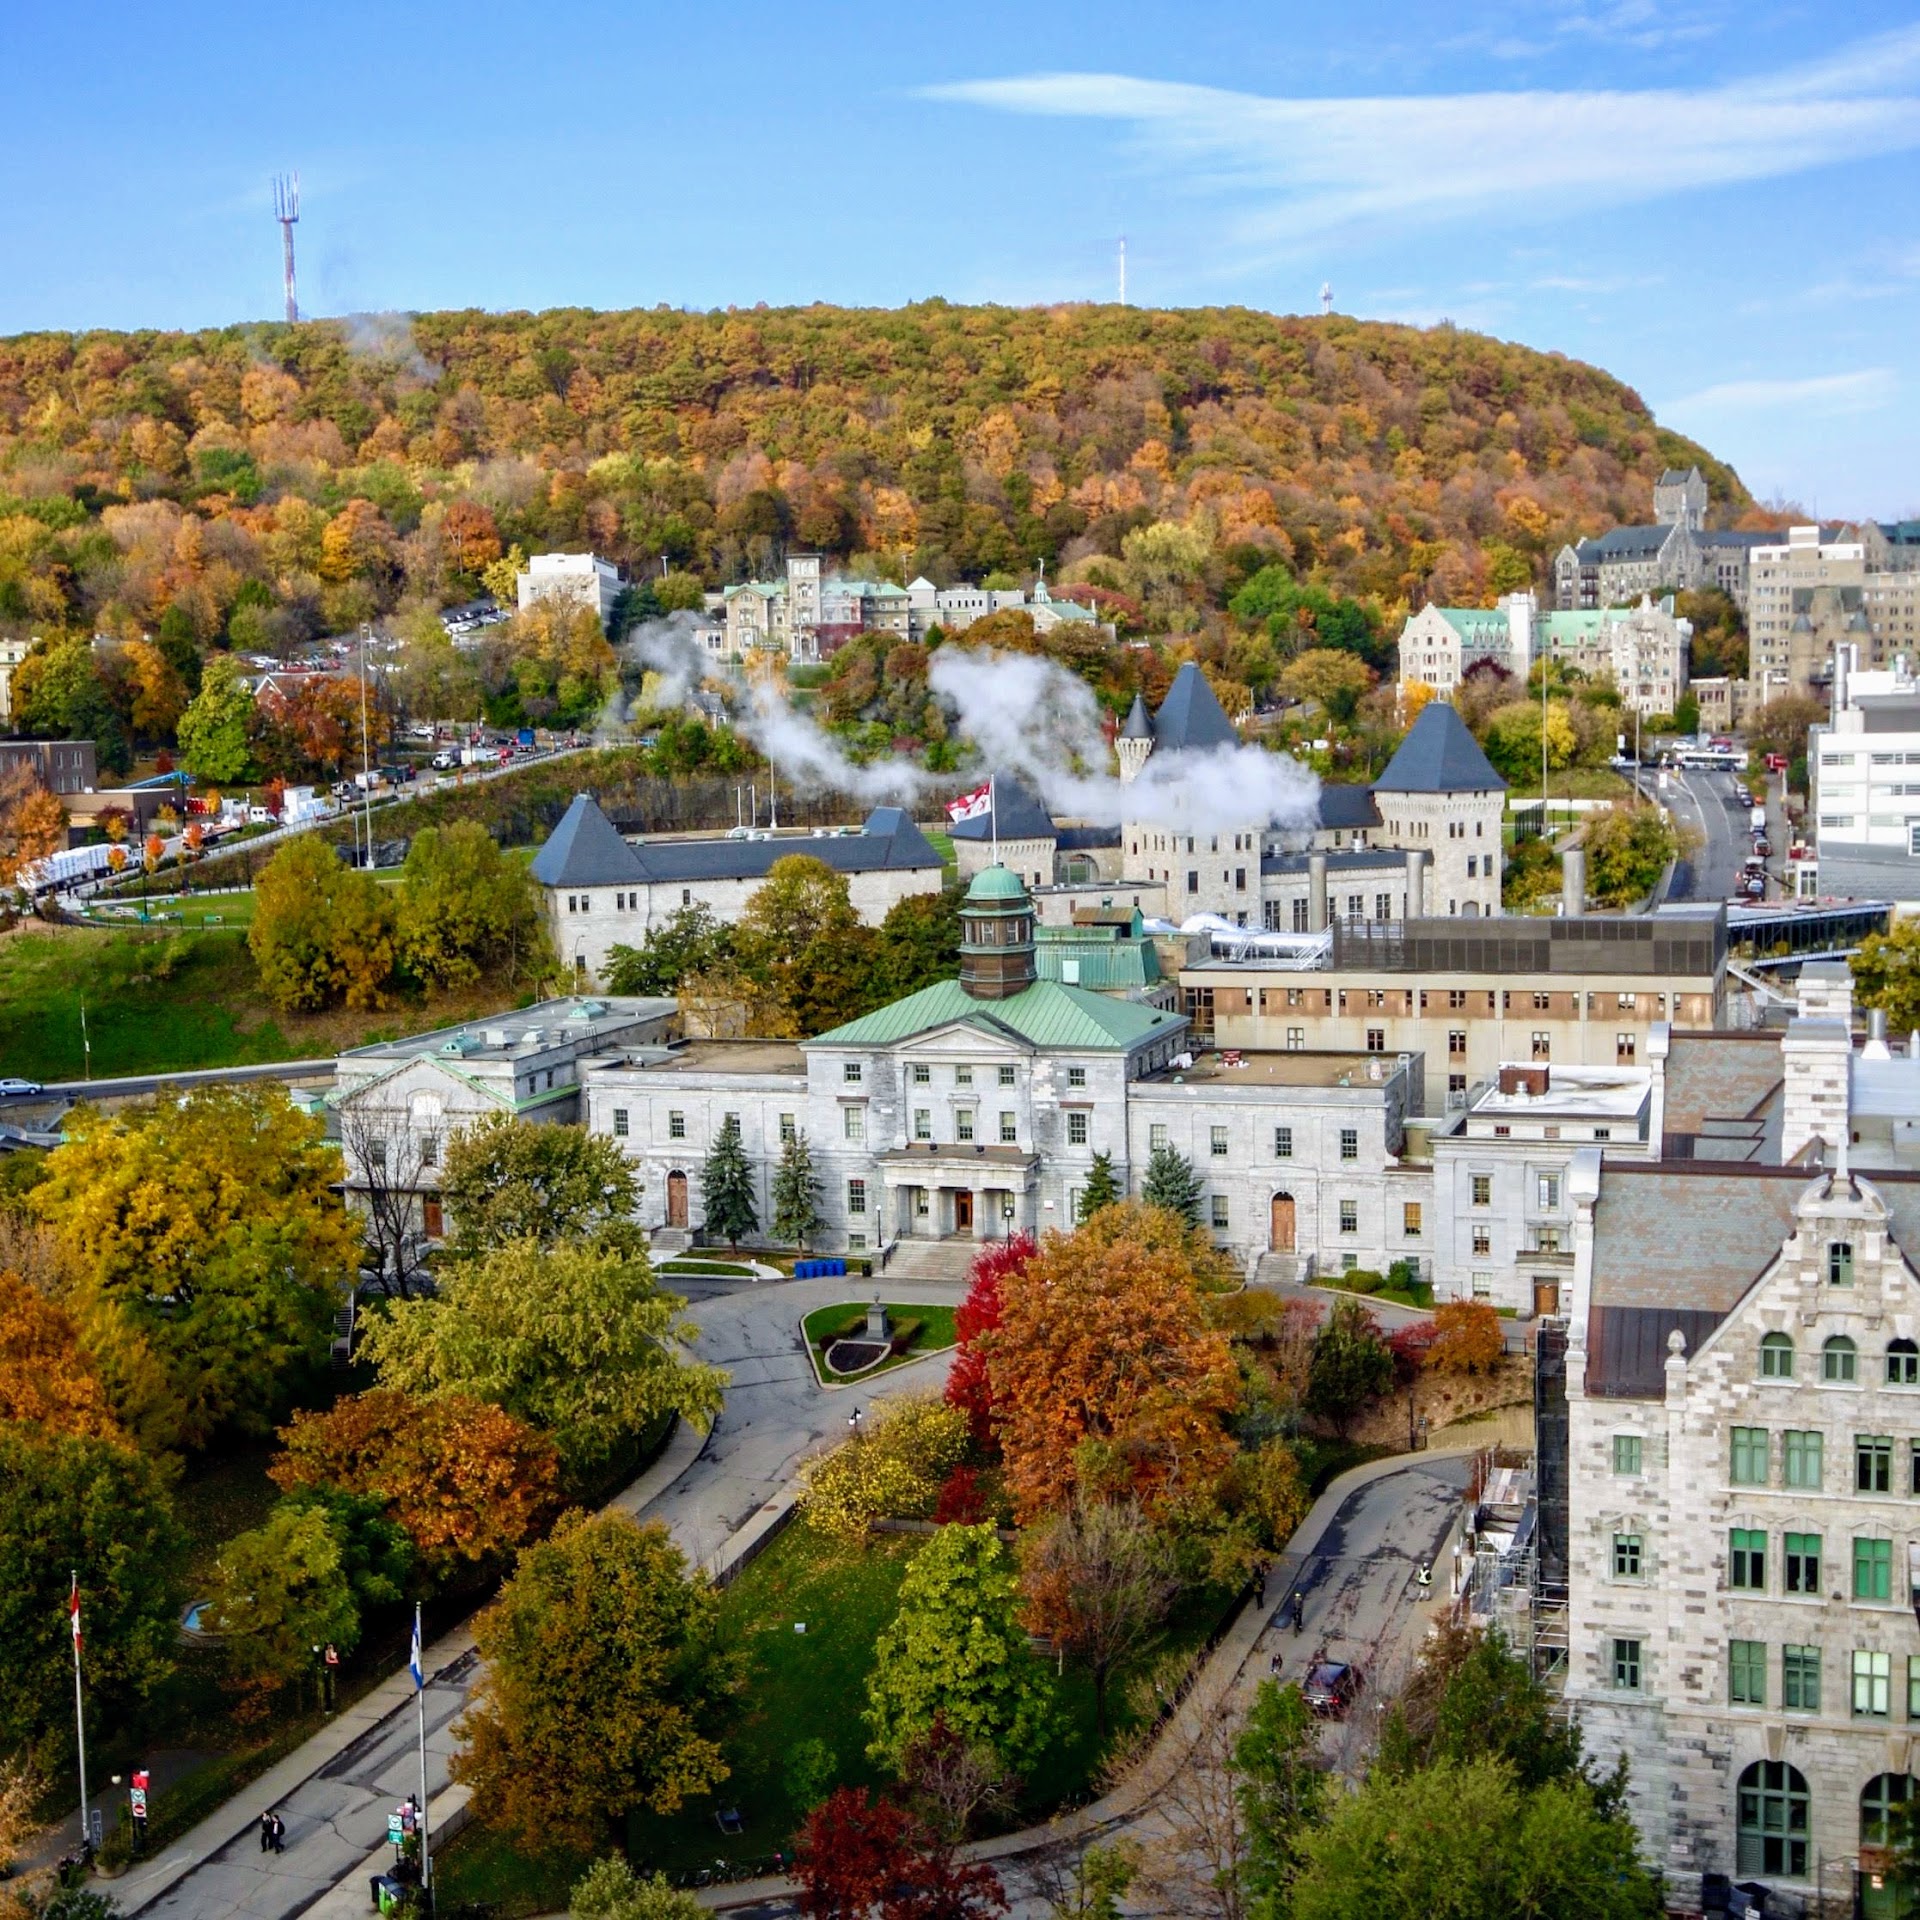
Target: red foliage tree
<point>968,1386</point>
<point>1411,1347</point>
<point>961,1502</point>
<point>859,1855</point>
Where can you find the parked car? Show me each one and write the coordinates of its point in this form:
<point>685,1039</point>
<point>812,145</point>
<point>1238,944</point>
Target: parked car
<point>1756,888</point>
<point>1331,1687</point>
<point>1762,845</point>
<point>445,762</point>
<point>12,1088</point>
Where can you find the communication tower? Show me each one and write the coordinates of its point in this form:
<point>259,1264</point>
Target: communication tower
<point>286,210</point>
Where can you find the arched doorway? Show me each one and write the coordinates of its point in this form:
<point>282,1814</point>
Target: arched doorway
<point>1281,1227</point>
<point>1880,1799</point>
<point>676,1199</point>
<point>1773,1812</point>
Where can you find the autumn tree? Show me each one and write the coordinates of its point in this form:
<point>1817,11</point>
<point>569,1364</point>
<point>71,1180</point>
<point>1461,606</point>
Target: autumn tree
<point>1886,974</point>
<point>1332,678</point>
<point>276,1592</point>
<point>577,1340</point>
<point>33,823</point>
<point>893,1470</point>
<point>465,907</point>
<point>969,1382</point>
<point>1781,726</point>
<point>72,1504</point>
<point>466,1482</point>
<point>46,1381</point>
<point>859,1856</point>
<point>1103,1368</point>
<point>957,1652</point>
<point>603,1669</point>
<point>207,1251</point>
<point>726,1186</point>
<point>1467,1338</point>
<point>506,1179</point>
<point>1097,1579</point>
<point>322,932</point>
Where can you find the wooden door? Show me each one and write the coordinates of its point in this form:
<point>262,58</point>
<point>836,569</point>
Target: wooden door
<point>1281,1237</point>
<point>676,1199</point>
<point>1546,1297</point>
<point>962,1211</point>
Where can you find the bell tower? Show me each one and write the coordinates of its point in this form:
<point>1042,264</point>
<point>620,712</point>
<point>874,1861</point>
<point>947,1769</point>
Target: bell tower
<point>996,937</point>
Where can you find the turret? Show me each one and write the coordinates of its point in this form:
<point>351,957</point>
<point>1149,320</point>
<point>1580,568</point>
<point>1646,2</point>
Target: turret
<point>996,937</point>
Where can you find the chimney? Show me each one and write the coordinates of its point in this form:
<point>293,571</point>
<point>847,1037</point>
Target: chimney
<point>1825,991</point>
<point>1876,1047</point>
<point>1530,1082</point>
<point>1416,883</point>
<point>1573,883</point>
<point>1817,1056</point>
<point>1317,890</point>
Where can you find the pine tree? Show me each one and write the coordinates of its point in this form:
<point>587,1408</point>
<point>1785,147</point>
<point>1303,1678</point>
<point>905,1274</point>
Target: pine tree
<point>1172,1183</point>
<point>796,1193</point>
<point>727,1182</point>
<point>1102,1188</point>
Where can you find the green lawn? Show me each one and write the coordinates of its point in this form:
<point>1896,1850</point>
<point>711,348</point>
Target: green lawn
<point>705,1269</point>
<point>933,1331</point>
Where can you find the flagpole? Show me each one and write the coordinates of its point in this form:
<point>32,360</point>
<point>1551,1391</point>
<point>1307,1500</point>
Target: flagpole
<point>993,813</point>
<point>420,1700</point>
<point>80,1720</point>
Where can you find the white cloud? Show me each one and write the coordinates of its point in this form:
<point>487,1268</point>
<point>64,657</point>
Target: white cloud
<point>1820,394</point>
<point>1306,167</point>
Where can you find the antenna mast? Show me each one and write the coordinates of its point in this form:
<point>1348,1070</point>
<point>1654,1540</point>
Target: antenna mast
<point>1123,269</point>
<point>1326,297</point>
<point>286,209</point>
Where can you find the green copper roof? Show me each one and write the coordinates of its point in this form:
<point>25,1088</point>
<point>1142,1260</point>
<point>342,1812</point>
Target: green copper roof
<point>1115,966</point>
<point>1046,1015</point>
<point>1476,623</point>
<point>996,883</point>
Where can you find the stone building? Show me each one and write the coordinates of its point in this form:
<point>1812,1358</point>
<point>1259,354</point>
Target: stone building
<point>581,578</point>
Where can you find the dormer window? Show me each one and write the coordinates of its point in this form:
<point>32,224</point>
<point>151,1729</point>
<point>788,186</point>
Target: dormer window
<point>1839,1263</point>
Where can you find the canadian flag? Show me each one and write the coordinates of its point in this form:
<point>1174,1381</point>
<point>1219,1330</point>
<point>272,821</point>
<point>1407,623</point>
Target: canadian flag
<point>73,1611</point>
<point>970,806</point>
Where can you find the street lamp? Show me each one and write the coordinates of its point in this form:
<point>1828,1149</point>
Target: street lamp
<point>853,1423</point>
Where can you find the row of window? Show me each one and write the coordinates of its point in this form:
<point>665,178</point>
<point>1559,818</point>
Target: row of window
<point>1802,1459</point>
<point>853,1073</point>
<point>1800,1553</point>
<point>1840,1360</point>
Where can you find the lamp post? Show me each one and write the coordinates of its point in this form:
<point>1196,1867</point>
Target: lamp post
<point>853,1423</point>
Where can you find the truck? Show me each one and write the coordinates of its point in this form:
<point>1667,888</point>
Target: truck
<point>1758,820</point>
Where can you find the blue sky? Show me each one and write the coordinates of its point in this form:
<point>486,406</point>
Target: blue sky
<point>1718,203</point>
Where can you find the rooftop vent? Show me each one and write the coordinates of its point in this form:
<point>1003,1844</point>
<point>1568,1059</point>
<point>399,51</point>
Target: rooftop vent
<point>1530,1083</point>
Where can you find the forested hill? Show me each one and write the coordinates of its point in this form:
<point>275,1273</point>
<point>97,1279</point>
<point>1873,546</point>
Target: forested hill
<point>309,475</point>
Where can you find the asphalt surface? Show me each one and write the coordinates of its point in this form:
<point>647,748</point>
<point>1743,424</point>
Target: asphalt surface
<point>775,1415</point>
<point>1708,804</point>
<point>134,1086</point>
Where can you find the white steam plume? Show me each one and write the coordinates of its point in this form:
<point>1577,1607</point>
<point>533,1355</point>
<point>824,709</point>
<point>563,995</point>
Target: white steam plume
<point>667,646</point>
<point>807,756</point>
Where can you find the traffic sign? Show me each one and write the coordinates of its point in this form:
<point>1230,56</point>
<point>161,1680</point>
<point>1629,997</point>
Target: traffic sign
<point>396,1830</point>
<point>139,1803</point>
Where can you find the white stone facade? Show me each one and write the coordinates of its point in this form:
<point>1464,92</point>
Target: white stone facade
<point>583,578</point>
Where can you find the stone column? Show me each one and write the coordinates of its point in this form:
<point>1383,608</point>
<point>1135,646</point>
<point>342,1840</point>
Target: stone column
<point>981,1230</point>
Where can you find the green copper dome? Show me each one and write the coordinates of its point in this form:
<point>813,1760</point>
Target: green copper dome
<point>996,883</point>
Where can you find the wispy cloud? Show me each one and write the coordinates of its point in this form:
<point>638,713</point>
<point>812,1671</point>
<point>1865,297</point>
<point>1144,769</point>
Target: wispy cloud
<point>1821,395</point>
<point>1307,167</point>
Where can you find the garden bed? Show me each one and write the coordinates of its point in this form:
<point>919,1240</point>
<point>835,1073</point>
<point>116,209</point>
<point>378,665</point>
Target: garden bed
<point>917,1331</point>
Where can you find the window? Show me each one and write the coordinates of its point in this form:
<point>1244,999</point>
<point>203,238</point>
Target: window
<point>1626,1453</point>
<point>1747,1673</point>
<point>854,1123</point>
<point>1283,1143</point>
<point>1217,1143</point>
<point>1801,1560</point>
<point>620,1123</point>
<point>1872,1684</point>
<point>1076,1076</point>
<point>429,1149</point>
<point>1009,1129</point>
<point>1872,1569</point>
<point>1076,1129</point>
<point>1747,1560</point>
<point>852,1072</point>
<point>1457,1043</point>
<point>1376,1039</point>
<point>1483,1189</point>
<point>922,1074</point>
<point>377,1155</point>
<point>1749,1466</point>
<point>1624,1046</point>
<point>963,1076</point>
<point>1219,1214</point>
<point>1006,1076</point>
<point>1805,1459</point>
<point>1410,1219</point>
<point>1776,1357</point>
<point>1872,1463</point>
<point>1839,1360</point>
<point>1296,1039</point>
<point>676,1126</point>
<point>1626,1664</point>
<point>1483,1286</point>
<point>1549,1192</point>
<point>1773,1811</point>
<point>786,1128</point>
<point>923,1123</point>
<point>1542,1044</point>
<point>963,1123</point>
<point>1880,1798</point>
<point>1457,998</point>
<point>1839,1264</point>
<point>1800,1679</point>
<point>1157,1137</point>
<point>1349,1143</point>
<point>1542,1002</point>
<point>1626,1556</point>
<point>1349,1216</point>
<point>1903,1364</point>
<point>1913,1686</point>
<point>856,1196</point>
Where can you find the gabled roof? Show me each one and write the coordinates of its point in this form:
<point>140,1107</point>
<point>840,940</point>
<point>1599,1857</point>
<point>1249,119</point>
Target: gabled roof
<point>585,850</point>
<point>1345,805</point>
<point>1191,717</point>
<point>1020,815</point>
<point>1045,1015</point>
<point>1439,755</point>
<point>1137,725</point>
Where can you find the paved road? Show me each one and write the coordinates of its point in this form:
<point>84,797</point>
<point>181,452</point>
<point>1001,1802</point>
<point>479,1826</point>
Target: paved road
<point>135,1086</point>
<point>1707,803</point>
<point>775,1415</point>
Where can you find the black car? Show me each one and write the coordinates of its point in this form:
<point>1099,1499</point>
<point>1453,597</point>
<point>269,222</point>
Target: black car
<point>1331,1687</point>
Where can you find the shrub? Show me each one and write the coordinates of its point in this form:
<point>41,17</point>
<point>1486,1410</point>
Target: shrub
<point>895,1469</point>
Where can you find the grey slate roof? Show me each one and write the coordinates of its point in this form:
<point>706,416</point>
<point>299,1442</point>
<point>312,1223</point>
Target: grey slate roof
<point>1723,1095</point>
<point>1439,755</point>
<point>1191,717</point>
<point>1344,805</point>
<point>1382,860</point>
<point>1137,726</point>
<point>1624,543</point>
<point>585,850</point>
<point>1086,839</point>
<point>1021,816</point>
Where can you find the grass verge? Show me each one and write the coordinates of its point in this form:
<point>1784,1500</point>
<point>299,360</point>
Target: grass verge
<point>932,1332</point>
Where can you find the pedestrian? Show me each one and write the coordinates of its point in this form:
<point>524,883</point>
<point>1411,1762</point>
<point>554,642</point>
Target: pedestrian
<point>1299,1611</point>
<point>1273,1664</point>
<point>266,1831</point>
<point>1263,1585</point>
<point>279,1834</point>
<point>1425,1575</point>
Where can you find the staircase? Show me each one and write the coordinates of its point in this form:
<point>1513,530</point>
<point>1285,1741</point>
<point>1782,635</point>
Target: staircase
<point>671,1240</point>
<point>341,1353</point>
<point>1282,1270</point>
<point>945,1260</point>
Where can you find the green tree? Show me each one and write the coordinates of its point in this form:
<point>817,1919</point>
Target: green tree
<point>279,1591</point>
<point>465,906</point>
<point>96,1508</point>
<point>1283,1792</point>
<point>1350,1365</point>
<point>603,1673</point>
<point>1686,713</point>
<point>956,1653</point>
<point>1102,1188</point>
<point>1334,678</point>
<point>215,731</point>
<point>1627,850</point>
<point>1172,1183</point>
<point>1093,1887</point>
<point>1886,970</point>
<point>919,944</point>
<point>507,1179</point>
<point>796,1193</point>
<point>1463,1841</point>
<point>1781,725</point>
<point>612,1890</point>
<point>579,1341</point>
<point>689,941</point>
<point>726,1184</point>
<point>322,932</point>
<point>1513,740</point>
<point>376,1556</point>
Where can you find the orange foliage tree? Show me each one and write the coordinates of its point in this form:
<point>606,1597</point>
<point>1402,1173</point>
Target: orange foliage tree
<point>1467,1338</point>
<point>969,1385</point>
<point>467,1482</point>
<point>33,823</point>
<point>45,1380</point>
<point>1105,1373</point>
